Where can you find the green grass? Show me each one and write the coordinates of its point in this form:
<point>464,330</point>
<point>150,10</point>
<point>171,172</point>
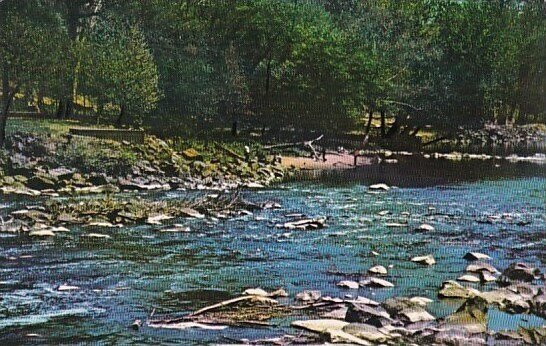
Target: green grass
<point>40,126</point>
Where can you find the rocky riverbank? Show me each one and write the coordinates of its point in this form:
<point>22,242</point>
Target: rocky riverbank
<point>492,134</point>
<point>51,166</point>
<point>357,320</point>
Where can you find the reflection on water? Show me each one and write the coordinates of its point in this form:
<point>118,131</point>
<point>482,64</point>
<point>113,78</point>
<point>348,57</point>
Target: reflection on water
<point>139,269</point>
<point>522,149</point>
<point>418,172</point>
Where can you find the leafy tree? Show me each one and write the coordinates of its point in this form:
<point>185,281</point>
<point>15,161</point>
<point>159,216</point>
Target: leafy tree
<point>30,38</point>
<point>118,69</point>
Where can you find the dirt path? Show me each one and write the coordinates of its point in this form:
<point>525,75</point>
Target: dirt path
<point>333,161</point>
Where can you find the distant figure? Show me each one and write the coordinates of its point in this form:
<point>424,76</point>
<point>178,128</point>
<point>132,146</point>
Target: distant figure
<point>341,150</point>
<point>324,154</point>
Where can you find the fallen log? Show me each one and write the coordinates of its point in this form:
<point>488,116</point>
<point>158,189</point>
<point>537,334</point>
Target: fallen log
<point>305,144</point>
<point>436,140</point>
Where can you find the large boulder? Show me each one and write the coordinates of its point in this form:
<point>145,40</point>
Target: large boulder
<point>507,300</point>
<point>367,332</point>
<point>406,310</point>
<point>481,267</point>
<point>41,183</point>
<point>471,316</point>
<point>452,289</point>
<point>476,256</point>
<point>308,296</point>
<point>518,272</point>
<point>538,302</point>
<point>332,329</point>
<point>362,313</point>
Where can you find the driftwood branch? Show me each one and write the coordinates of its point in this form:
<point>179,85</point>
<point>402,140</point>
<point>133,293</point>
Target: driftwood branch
<point>305,144</point>
<point>440,139</point>
<point>230,302</point>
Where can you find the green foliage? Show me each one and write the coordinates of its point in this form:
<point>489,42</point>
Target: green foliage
<point>32,45</point>
<point>310,66</point>
<point>117,67</point>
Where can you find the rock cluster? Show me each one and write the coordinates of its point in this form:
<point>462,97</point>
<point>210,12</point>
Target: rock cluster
<point>55,216</point>
<point>500,134</point>
<point>65,166</point>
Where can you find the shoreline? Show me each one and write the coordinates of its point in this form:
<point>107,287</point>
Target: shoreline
<point>344,161</point>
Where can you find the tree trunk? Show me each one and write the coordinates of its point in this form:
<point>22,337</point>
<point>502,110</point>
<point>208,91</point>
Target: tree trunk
<point>5,84</point>
<point>120,116</point>
<point>65,109</point>
<point>383,124</point>
<point>394,128</point>
<point>234,127</point>
<point>60,109</point>
<point>268,76</point>
<point>40,104</point>
<point>369,124</point>
<point>69,109</point>
<point>100,108</point>
<point>368,129</point>
<point>4,118</point>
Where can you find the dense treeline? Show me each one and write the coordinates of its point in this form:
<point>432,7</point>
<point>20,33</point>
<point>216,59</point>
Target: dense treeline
<point>272,65</point>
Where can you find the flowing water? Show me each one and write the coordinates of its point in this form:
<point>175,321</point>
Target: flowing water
<point>496,209</point>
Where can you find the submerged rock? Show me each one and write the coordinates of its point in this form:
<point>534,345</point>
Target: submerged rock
<point>376,282</point>
<point>41,233</point>
<point>425,228</point>
<point>97,236</point>
<point>421,300</point>
<point>476,256</point>
<point>379,270</point>
<point>191,213</point>
<point>65,288</point>
<point>186,325</point>
<point>469,278</point>
<point>175,229</point>
<point>379,187</point>
<point>425,260</point>
<point>157,219</point>
<point>305,224</point>
<point>349,284</point>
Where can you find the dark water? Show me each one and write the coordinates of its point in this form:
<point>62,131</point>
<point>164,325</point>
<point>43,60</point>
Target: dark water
<point>139,269</point>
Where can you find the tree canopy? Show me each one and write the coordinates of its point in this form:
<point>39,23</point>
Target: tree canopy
<point>314,66</point>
